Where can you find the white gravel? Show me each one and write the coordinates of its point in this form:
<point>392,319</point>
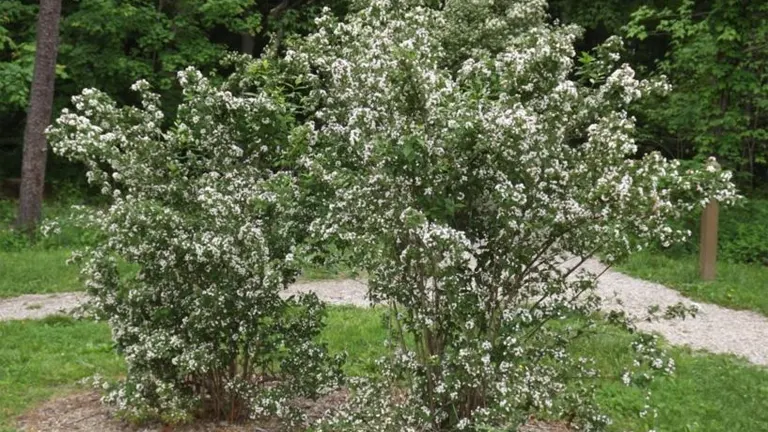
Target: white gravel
<point>334,291</point>
<point>715,329</point>
<point>35,306</point>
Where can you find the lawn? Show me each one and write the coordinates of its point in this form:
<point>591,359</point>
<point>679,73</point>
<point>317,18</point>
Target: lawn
<point>707,393</point>
<point>40,359</point>
<point>738,286</point>
<point>36,271</point>
<point>39,270</point>
<point>44,358</point>
<point>40,267</point>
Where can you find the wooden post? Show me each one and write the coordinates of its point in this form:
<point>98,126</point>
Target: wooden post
<point>708,247</point>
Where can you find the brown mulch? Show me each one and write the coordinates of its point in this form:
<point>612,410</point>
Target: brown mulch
<point>542,426</point>
<point>75,412</point>
<point>84,412</point>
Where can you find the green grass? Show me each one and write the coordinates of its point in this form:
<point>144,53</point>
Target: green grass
<point>70,232</point>
<point>738,286</point>
<point>315,272</point>
<point>40,271</point>
<point>707,393</point>
<point>712,393</point>
<point>36,271</point>
<point>39,266</point>
<point>45,358</point>
<point>359,332</point>
<point>40,359</point>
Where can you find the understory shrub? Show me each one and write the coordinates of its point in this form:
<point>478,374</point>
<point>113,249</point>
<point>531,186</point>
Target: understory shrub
<point>473,178</point>
<point>206,209</point>
<point>62,228</point>
<point>742,233</point>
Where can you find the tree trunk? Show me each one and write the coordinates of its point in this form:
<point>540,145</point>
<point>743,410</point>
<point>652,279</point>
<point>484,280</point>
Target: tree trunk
<point>39,115</point>
<point>247,43</point>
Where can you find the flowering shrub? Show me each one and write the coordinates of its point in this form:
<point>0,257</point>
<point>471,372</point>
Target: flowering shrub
<point>205,211</point>
<point>473,177</point>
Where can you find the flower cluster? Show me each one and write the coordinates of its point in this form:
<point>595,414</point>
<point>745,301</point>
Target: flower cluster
<point>198,243</point>
<point>473,176</point>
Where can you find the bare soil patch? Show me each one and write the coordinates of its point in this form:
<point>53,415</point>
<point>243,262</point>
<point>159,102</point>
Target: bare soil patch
<point>84,412</point>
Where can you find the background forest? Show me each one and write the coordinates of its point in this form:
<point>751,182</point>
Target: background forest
<point>714,52</point>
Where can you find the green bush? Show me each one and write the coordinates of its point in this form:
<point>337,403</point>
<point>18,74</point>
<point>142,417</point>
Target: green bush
<point>62,227</point>
<point>742,234</point>
<point>208,217</point>
<point>465,169</point>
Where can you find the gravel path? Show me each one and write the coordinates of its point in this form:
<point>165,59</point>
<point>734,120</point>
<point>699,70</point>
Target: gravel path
<point>35,306</point>
<point>715,329</point>
<point>334,291</point>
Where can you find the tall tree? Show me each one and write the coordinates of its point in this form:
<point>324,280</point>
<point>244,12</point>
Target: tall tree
<point>39,115</point>
<point>717,63</point>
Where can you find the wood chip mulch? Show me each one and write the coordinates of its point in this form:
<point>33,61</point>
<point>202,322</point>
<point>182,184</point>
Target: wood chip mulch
<point>84,412</point>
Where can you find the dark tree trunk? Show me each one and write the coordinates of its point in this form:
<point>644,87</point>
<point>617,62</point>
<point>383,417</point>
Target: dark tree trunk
<point>247,43</point>
<point>39,115</point>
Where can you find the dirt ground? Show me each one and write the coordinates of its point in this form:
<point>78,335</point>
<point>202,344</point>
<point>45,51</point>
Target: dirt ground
<point>84,412</point>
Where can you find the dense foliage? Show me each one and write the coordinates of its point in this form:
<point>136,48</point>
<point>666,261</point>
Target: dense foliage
<point>204,212</point>
<point>473,178</point>
<point>742,234</point>
<point>110,44</point>
<point>718,65</point>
